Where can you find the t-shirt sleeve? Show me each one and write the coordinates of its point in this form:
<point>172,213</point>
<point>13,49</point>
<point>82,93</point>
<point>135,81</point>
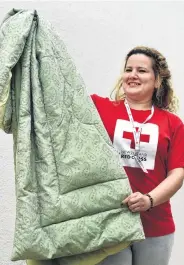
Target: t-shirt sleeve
<point>101,103</point>
<point>94,97</point>
<point>97,99</point>
<point>176,149</point>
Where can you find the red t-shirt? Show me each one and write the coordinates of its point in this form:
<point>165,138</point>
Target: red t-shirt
<point>161,150</point>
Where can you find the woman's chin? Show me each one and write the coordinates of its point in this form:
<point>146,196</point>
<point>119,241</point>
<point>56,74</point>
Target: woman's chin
<point>133,92</point>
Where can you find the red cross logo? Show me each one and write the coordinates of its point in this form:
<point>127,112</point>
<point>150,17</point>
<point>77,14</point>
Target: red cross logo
<point>129,135</point>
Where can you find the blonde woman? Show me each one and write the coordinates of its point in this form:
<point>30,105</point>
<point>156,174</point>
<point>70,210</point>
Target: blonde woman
<point>149,137</point>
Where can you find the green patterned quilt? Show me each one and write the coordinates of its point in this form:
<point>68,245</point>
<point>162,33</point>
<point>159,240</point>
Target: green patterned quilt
<point>69,179</point>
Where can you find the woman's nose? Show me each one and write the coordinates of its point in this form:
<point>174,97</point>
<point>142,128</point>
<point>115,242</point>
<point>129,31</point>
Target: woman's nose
<point>133,74</point>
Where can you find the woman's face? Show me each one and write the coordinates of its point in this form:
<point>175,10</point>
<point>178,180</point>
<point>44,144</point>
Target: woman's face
<point>139,78</point>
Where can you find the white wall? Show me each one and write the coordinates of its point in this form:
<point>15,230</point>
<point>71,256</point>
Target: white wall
<point>98,35</point>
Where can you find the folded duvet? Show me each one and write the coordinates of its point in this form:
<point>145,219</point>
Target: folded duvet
<point>69,179</point>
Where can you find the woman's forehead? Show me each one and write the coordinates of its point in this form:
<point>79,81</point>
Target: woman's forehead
<point>139,60</point>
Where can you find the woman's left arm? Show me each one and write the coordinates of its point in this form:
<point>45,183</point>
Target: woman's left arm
<point>168,187</point>
<point>138,202</point>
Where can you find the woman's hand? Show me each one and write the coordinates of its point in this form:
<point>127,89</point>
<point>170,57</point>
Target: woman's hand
<point>137,202</point>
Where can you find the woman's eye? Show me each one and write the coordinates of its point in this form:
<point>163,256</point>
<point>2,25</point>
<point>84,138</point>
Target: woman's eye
<point>127,70</point>
<point>142,71</point>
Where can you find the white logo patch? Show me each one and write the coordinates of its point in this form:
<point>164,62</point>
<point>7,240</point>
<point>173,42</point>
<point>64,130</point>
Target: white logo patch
<point>124,143</point>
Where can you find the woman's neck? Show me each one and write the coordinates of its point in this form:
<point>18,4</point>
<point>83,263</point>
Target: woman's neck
<point>139,105</point>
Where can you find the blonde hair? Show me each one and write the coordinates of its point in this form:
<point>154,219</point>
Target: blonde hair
<point>164,96</point>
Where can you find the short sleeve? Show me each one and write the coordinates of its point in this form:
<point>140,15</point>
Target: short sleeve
<point>98,99</point>
<point>94,98</point>
<point>101,103</point>
<point>176,149</point>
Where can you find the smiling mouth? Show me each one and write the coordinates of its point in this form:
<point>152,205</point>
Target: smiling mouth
<point>133,84</point>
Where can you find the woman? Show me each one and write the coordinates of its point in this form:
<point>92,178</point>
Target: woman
<point>149,138</point>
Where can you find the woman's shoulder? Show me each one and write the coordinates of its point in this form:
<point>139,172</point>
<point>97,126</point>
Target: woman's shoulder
<point>173,118</point>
